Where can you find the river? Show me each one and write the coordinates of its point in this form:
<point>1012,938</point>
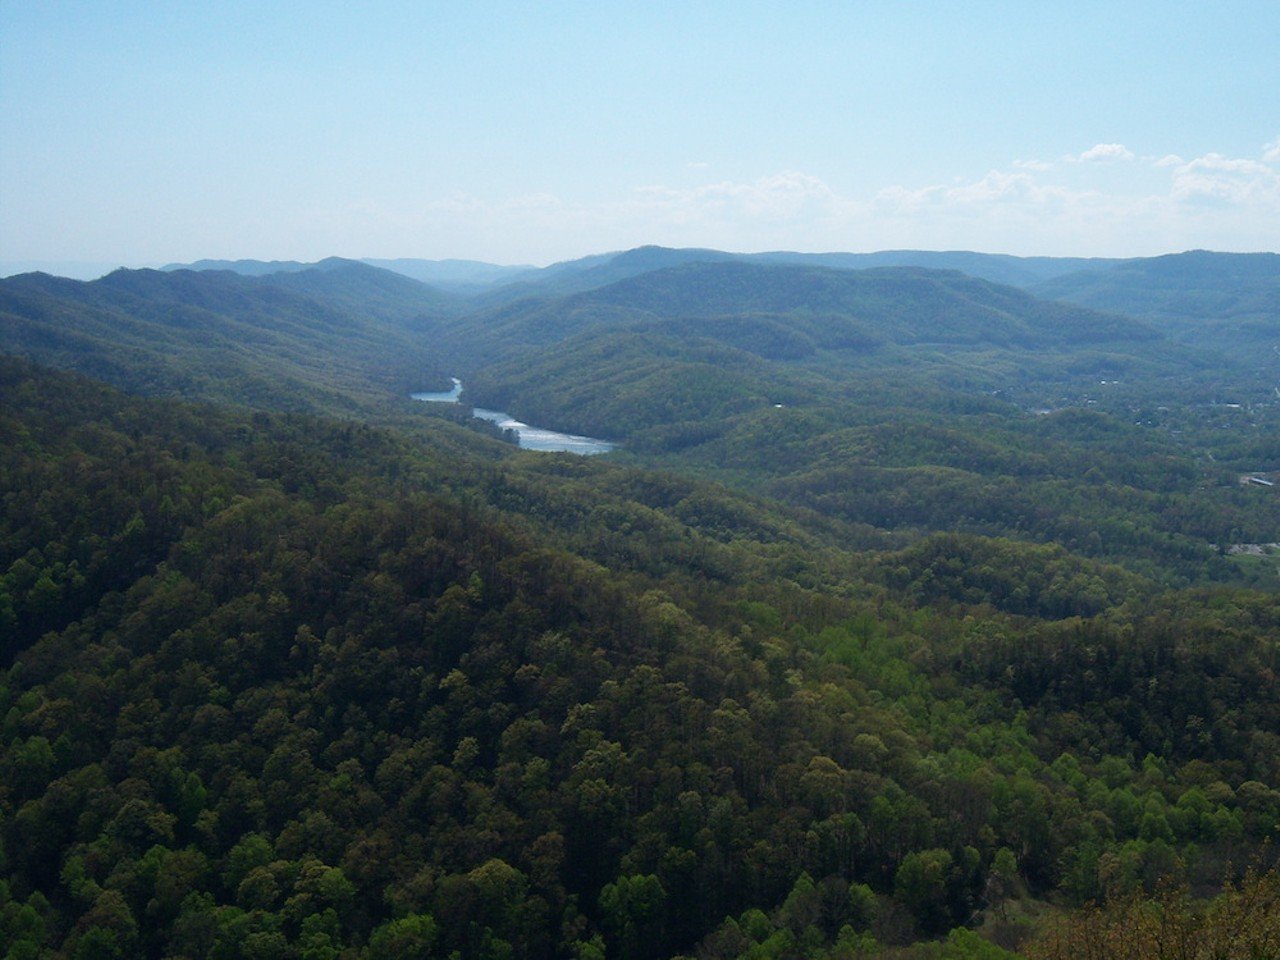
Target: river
<point>529,437</point>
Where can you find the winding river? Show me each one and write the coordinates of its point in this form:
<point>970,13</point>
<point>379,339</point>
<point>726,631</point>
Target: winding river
<point>529,437</point>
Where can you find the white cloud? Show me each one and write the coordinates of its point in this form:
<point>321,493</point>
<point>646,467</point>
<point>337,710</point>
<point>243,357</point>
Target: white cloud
<point>1271,152</point>
<point>1105,153</point>
<point>1026,207</point>
<point>1214,178</point>
<point>998,187</point>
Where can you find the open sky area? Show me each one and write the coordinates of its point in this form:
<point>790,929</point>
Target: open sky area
<point>142,133</point>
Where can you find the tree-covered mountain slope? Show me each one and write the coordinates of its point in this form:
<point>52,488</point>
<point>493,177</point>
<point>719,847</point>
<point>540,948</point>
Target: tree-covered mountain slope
<point>461,277</point>
<point>246,267</point>
<point>282,686</point>
<point>866,397</point>
<point>896,305</point>
<point>1228,301</point>
<point>364,289</point>
<point>994,267</point>
<point>751,336</point>
<point>597,270</point>
<point>908,400</point>
<point>319,339</point>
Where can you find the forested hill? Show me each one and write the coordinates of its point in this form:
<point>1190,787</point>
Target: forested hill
<point>894,399</point>
<point>1203,280</point>
<point>248,268</point>
<point>281,686</point>
<point>491,284</point>
<point>996,268</point>
<point>913,401</point>
<point>598,270</point>
<point>1228,302</point>
<point>1196,285</point>
<point>322,339</point>
<point>572,276</point>
<point>892,305</point>
<point>366,289</point>
<point>898,304</point>
<point>463,277</point>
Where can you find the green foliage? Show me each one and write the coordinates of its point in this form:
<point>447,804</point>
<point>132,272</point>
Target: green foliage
<point>409,938</point>
<point>328,339</point>
<point>288,687</point>
<point>631,909</point>
<point>1226,301</point>
<point>899,400</point>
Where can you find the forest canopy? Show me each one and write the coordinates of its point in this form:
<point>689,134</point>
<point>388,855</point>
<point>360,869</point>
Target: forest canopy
<point>842,655</point>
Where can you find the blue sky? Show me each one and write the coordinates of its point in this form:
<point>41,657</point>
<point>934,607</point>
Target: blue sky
<point>142,133</point>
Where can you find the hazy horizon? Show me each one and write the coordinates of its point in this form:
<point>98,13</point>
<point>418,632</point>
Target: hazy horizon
<point>90,270</point>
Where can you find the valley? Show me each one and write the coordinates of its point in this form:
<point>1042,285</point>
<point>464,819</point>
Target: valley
<point>919,606</point>
<point>527,437</point>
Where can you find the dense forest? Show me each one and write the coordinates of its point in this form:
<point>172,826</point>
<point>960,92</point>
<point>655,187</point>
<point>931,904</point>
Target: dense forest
<point>875,638</point>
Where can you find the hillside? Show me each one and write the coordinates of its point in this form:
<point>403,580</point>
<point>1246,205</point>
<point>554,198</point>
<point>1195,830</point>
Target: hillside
<point>795,313</point>
<point>587,273</point>
<point>900,398</point>
<point>361,288</point>
<point>905,305</point>
<point>846,650</point>
<point>1229,301</point>
<point>367,283</point>
<point>338,694</point>
<point>248,268</point>
<point>320,339</point>
<point>893,399</point>
<point>997,268</point>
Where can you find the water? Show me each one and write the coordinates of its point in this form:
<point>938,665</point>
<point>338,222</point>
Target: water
<point>529,437</point>
<point>449,397</point>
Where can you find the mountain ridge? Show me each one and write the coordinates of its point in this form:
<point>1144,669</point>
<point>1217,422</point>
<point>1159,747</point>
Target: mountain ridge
<point>307,334</point>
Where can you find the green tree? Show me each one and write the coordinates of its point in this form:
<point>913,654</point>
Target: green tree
<point>632,910</point>
<point>921,883</point>
<point>409,938</point>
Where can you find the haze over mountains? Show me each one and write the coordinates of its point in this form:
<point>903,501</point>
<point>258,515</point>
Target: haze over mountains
<point>283,338</point>
<point>765,369</point>
<point>472,276</point>
<point>785,307</point>
<point>1219,304</point>
<point>1103,283</point>
<point>954,318</point>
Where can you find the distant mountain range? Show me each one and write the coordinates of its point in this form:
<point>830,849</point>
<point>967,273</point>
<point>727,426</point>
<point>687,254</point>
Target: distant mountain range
<point>980,319</point>
<point>476,278</point>
<point>1229,301</point>
<point>871,393</point>
<point>1190,285</point>
<point>455,276</point>
<point>596,271</point>
<point>705,342</point>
